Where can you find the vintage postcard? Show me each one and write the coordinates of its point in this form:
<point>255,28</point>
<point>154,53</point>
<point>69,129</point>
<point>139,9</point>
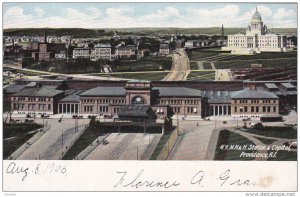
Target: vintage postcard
<point>150,96</point>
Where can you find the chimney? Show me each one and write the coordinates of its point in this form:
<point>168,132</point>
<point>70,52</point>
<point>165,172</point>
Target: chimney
<point>222,32</point>
<point>45,36</point>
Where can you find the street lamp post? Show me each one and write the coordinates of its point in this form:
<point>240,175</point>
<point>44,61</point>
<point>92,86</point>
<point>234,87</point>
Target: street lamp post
<point>62,139</point>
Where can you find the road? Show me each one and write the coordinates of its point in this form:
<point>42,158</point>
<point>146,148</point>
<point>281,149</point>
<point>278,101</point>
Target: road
<point>54,142</point>
<point>194,141</point>
<point>199,142</point>
<point>180,68</point>
<point>223,75</point>
<point>126,146</point>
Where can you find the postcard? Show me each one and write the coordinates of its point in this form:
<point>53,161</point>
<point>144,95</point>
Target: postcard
<point>150,96</point>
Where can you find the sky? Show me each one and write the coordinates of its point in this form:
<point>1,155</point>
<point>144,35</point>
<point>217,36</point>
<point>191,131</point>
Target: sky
<point>128,15</point>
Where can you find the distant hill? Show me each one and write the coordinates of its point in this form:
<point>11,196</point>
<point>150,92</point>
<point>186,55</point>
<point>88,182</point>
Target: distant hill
<point>84,33</point>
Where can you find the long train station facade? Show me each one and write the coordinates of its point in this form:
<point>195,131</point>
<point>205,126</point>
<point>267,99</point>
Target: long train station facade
<point>155,100</point>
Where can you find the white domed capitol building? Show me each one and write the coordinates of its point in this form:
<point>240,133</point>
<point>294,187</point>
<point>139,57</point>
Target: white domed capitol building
<point>257,39</point>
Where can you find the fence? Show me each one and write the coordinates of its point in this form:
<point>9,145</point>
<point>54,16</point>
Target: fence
<point>165,152</point>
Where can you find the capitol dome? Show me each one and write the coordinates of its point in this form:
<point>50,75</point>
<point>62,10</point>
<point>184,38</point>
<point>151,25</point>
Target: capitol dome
<point>256,17</point>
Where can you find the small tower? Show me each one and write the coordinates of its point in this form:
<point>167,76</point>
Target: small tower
<point>45,36</point>
<point>222,33</point>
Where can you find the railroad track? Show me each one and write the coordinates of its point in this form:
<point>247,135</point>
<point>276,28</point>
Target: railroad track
<point>122,146</point>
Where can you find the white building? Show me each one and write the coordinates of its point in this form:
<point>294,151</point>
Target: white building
<point>101,51</point>
<point>164,49</point>
<point>257,39</point>
<point>81,53</point>
<point>189,44</point>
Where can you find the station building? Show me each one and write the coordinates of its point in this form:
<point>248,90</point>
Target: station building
<point>136,100</point>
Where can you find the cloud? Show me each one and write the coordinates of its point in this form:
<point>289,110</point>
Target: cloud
<point>117,12</point>
<point>230,15</point>
<point>39,12</point>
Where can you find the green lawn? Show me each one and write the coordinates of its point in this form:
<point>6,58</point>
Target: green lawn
<point>201,75</point>
<point>246,63</point>
<point>78,66</point>
<point>229,138</point>
<point>265,140</point>
<point>28,73</point>
<point>151,76</point>
<point>193,65</point>
<point>88,136</point>
<point>267,55</point>
<point>163,140</point>
<point>20,132</point>
<point>277,132</point>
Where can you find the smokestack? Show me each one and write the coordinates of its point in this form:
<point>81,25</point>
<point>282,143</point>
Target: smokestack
<point>222,32</point>
<point>45,36</point>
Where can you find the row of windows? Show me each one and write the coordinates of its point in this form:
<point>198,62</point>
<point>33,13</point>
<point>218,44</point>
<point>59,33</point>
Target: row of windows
<point>174,102</point>
<point>22,106</point>
<point>255,109</point>
<point>191,110</point>
<point>113,101</point>
<point>103,109</point>
<point>32,98</point>
<point>88,109</point>
<point>255,101</point>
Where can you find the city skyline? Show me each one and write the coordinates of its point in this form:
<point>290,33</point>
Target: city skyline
<point>139,15</point>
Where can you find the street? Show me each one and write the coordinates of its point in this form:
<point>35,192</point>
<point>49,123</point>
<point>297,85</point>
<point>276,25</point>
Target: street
<point>55,141</point>
<point>180,68</point>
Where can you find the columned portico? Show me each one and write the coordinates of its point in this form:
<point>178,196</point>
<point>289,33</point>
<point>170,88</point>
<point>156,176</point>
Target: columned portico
<point>220,110</point>
<point>68,108</point>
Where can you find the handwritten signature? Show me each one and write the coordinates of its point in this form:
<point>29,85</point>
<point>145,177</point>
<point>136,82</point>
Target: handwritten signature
<point>138,180</point>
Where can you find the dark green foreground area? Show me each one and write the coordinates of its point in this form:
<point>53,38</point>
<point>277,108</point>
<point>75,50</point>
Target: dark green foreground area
<point>18,134</point>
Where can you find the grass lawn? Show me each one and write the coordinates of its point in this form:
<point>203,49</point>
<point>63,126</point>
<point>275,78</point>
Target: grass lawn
<point>197,55</point>
<point>265,140</point>
<point>229,138</point>
<point>88,136</point>
<point>194,66</point>
<point>292,54</point>
<point>247,63</point>
<point>151,76</point>
<point>283,155</point>
<point>29,73</point>
<point>163,140</point>
<point>277,132</point>
<point>201,75</point>
<point>19,131</point>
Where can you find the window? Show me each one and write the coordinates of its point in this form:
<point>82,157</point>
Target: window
<point>269,109</point>
<point>49,106</point>
<point>252,109</point>
<point>235,109</point>
<point>274,109</point>
<point>264,109</point>
<point>246,109</point>
<point>257,109</point>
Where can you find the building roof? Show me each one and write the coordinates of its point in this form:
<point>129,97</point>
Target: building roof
<point>39,92</point>
<point>105,91</point>
<point>134,111</point>
<point>14,88</point>
<point>253,94</point>
<point>271,85</point>
<point>288,85</point>
<point>217,96</point>
<point>256,17</point>
<point>178,91</point>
